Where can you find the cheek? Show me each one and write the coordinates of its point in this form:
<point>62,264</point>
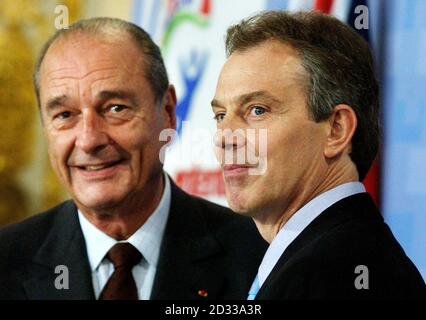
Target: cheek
<point>281,141</point>
<point>218,152</point>
<point>288,147</point>
<point>60,148</point>
<point>58,156</point>
<point>142,144</point>
<point>217,144</point>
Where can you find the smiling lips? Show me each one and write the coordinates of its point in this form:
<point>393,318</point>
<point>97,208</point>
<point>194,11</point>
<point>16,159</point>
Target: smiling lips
<point>97,167</point>
<point>98,170</point>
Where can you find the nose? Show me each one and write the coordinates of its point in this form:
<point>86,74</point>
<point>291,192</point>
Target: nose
<point>230,134</point>
<point>92,135</point>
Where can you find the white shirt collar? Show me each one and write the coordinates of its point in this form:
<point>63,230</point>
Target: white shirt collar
<point>147,239</point>
<point>300,220</point>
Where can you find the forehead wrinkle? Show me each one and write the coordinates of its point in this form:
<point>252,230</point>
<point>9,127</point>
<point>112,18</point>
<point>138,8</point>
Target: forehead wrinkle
<point>250,96</point>
<point>111,86</point>
<point>58,85</point>
<point>58,82</point>
<point>80,77</point>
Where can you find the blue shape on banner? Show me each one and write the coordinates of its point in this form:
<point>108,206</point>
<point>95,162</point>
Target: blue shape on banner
<point>191,71</point>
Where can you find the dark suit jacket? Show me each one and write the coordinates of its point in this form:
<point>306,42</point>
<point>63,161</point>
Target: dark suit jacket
<point>320,263</point>
<point>205,247</point>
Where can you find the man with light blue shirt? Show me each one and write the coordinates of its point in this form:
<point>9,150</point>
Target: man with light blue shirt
<point>308,80</point>
<point>129,232</point>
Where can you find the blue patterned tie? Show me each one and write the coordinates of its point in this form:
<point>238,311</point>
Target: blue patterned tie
<point>254,289</point>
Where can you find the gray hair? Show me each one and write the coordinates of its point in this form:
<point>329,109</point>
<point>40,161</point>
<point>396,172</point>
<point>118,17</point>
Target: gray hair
<point>155,70</point>
<point>339,65</point>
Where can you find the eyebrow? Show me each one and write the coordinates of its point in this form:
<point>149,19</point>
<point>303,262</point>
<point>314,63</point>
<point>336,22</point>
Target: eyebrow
<point>117,94</point>
<point>56,102</point>
<point>105,95</point>
<point>245,98</point>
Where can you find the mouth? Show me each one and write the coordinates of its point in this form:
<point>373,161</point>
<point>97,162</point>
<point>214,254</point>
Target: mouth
<point>100,166</point>
<point>236,170</point>
<point>100,170</point>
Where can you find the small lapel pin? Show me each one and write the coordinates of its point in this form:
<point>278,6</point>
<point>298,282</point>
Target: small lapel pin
<point>203,293</point>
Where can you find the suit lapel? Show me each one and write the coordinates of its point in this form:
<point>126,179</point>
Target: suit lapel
<point>191,262</point>
<point>64,246</point>
<point>358,206</point>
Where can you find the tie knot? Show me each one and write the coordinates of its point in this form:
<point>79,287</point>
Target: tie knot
<point>124,255</point>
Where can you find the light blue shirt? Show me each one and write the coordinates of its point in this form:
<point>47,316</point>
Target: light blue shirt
<point>296,224</point>
<point>147,239</point>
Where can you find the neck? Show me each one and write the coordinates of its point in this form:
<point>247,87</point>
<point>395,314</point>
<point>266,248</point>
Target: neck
<point>271,222</point>
<point>122,221</point>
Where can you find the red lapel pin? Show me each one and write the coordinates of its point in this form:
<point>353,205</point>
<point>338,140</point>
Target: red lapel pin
<point>203,293</point>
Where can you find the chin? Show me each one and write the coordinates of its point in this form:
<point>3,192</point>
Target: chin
<point>246,210</point>
<point>239,205</point>
<point>98,203</point>
<point>245,205</point>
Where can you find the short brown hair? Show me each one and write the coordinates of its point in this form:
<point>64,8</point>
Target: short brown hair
<point>155,71</point>
<point>339,64</point>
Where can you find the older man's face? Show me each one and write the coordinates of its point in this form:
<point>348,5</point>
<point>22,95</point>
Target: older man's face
<point>101,120</point>
<point>262,88</point>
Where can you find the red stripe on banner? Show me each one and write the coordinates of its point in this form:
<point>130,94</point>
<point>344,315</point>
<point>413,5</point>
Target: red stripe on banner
<point>200,182</point>
<point>323,5</point>
<point>205,7</point>
<point>371,182</point>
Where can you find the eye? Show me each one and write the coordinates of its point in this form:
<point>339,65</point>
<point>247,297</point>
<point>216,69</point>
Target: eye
<point>116,108</point>
<point>117,113</point>
<point>63,115</point>
<point>219,117</point>
<point>64,119</point>
<point>257,111</point>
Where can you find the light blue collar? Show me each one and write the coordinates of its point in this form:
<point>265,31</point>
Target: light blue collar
<point>147,239</point>
<point>300,220</point>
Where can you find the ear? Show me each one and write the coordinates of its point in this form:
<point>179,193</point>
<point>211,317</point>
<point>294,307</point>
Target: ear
<point>342,125</point>
<point>170,106</point>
